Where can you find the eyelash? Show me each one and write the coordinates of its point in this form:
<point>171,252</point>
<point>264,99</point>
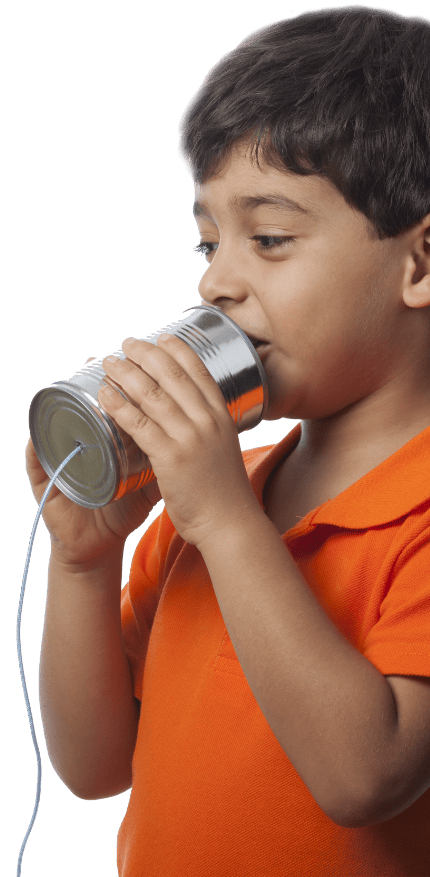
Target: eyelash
<point>206,247</point>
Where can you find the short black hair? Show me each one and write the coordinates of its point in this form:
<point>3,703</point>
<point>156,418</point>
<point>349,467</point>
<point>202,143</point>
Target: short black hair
<point>343,93</point>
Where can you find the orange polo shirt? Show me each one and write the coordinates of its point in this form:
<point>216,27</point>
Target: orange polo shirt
<point>213,793</point>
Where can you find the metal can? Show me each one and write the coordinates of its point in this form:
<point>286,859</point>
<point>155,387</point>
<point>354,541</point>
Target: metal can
<point>68,413</point>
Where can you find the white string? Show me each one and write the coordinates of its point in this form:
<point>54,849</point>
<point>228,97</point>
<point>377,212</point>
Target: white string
<point>77,450</point>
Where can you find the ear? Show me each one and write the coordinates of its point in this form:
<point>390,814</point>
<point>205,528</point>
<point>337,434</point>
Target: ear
<point>416,290</point>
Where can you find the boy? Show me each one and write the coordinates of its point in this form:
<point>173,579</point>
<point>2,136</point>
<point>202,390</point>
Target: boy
<point>269,674</point>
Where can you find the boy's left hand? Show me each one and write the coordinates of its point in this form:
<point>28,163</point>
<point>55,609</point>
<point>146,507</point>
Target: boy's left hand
<point>179,418</point>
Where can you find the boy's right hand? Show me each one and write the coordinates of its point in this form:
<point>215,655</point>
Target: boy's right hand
<point>82,536</point>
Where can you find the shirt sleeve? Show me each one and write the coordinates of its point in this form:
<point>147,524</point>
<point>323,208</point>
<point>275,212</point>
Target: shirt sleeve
<point>140,597</point>
<point>399,642</point>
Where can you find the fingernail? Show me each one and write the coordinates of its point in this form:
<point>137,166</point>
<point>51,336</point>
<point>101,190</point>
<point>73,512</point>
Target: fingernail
<point>164,336</point>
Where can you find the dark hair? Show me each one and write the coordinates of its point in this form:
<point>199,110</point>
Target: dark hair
<point>343,93</point>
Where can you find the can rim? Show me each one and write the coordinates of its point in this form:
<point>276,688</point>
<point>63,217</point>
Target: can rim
<point>251,348</point>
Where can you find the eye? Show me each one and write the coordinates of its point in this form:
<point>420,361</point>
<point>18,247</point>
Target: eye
<point>204,248</point>
<point>265,243</point>
<point>269,242</point>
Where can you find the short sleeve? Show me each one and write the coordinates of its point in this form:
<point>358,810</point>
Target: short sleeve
<point>399,643</point>
<point>139,598</point>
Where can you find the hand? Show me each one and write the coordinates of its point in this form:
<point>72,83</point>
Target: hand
<point>178,416</point>
<point>80,536</point>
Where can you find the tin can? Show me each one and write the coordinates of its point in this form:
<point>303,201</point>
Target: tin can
<point>68,413</point>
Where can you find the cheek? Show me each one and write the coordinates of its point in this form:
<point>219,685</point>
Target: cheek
<point>323,299</point>
<point>303,309</point>
<point>325,333</point>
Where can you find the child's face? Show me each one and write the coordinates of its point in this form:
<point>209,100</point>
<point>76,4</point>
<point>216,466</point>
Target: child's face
<point>328,298</point>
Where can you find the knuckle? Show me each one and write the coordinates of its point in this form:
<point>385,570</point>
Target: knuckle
<point>175,371</point>
<point>154,391</point>
<point>138,421</point>
<point>207,423</point>
<point>199,370</point>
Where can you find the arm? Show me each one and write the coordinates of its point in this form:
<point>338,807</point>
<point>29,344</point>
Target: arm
<point>89,714</point>
<point>358,741</point>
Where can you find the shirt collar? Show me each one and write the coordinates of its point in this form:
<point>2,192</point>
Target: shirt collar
<point>390,491</point>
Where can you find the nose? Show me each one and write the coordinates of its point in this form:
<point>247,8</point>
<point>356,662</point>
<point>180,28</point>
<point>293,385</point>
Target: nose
<point>223,281</point>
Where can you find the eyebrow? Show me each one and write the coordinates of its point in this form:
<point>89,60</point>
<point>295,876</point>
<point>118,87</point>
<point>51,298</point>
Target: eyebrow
<point>251,202</point>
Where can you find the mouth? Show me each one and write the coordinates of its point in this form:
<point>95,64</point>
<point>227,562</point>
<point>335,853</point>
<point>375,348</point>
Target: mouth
<point>256,342</point>
<point>261,347</point>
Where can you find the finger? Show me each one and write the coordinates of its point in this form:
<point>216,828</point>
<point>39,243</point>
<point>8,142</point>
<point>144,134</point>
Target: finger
<point>165,402</point>
<point>160,422</point>
<point>135,400</point>
<point>144,429</point>
<point>176,367</point>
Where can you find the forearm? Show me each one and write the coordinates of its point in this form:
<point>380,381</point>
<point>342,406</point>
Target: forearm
<point>331,710</point>
<point>88,709</point>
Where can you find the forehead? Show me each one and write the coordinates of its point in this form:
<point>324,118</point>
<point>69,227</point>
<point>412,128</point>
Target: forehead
<point>240,186</point>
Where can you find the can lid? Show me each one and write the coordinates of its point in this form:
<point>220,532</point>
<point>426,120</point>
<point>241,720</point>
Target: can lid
<point>61,416</point>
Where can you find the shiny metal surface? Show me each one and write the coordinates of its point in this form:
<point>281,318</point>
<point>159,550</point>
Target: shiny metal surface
<point>111,465</point>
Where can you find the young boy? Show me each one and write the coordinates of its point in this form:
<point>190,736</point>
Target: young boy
<point>269,673</point>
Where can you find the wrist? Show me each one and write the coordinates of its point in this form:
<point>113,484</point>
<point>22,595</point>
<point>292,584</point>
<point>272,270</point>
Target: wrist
<point>105,562</point>
<point>234,530</point>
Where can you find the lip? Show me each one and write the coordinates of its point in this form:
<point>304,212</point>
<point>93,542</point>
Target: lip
<point>256,343</point>
<point>262,348</point>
